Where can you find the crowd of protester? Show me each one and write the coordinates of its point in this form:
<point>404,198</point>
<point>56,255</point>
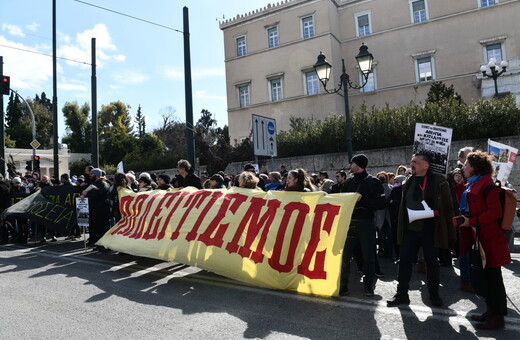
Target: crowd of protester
<point>380,228</point>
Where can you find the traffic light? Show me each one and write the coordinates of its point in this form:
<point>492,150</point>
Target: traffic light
<point>36,163</point>
<point>29,165</point>
<point>5,86</point>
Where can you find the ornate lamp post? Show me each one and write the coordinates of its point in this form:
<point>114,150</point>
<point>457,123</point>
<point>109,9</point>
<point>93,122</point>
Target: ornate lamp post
<point>494,72</point>
<point>322,67</point>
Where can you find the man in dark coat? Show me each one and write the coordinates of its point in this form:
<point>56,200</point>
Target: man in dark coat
<point>431,233</point>
<point>99,208</point>
<point>362,230</point>
<point>186,177</point>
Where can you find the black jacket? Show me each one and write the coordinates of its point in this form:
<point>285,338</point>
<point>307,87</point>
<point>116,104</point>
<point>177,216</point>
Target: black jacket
<point>372,194</point>
<point>191,180</point>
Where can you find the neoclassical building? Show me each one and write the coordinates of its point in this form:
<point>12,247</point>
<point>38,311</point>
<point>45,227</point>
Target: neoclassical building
<point>270,53</point>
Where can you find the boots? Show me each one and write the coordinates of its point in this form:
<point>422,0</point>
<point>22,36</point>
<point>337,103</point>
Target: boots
<point>493,322</point>
<point>482,317</point>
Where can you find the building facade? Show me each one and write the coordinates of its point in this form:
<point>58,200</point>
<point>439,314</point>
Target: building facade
<point>270,53</point>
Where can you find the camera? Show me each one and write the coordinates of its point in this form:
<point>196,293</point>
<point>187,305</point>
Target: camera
<point>457,221</point>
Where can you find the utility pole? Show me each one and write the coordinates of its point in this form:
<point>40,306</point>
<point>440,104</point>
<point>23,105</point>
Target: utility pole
<point>2,128</point>
<point>190,139</point>
<point>93,86</point>
<point>55,95</point>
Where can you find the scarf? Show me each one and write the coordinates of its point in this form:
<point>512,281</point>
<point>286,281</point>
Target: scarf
<point>463,206</point>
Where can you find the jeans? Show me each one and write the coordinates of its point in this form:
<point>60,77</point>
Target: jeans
<point>363,234</point>
<point>464,267</point>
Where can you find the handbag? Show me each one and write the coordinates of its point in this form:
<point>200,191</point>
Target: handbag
<point>477,265</point>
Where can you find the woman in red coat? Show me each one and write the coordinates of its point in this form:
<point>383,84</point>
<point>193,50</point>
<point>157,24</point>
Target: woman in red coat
<point>478,170</point>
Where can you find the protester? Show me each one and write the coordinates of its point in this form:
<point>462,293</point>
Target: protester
<point>325,183</point>
<point>394,201</point>
<point>4,203</point>
<point>251,168</point>
<point>429,233</point>
<point>362,230</point>
<point>145,182</point>
<point>163,182</point>
<point>216,182</point>
<point>276,181</point>
<point>483,215</point>
<point>341,177</point>
<point>99,211</point>
<point>298,180</point>
<point>120,182</point>
<point>249,180</point>
<point>65,179</point>
<point>186,177</point>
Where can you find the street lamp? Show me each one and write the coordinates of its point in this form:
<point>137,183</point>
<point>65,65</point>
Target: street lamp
<point>322,68</point>
<point>494,73</point>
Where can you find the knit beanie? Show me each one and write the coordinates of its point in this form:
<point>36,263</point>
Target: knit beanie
<point>361,161</point>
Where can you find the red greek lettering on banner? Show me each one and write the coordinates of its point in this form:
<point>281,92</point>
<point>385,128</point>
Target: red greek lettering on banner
<point>302,209</point>
<point>319,263</point>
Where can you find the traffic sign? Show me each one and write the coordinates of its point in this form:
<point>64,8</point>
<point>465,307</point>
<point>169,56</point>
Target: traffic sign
<point>35,144</point>
<point>264,136</point>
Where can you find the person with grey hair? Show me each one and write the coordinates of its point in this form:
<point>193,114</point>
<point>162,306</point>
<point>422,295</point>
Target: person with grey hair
<point>186,177</point>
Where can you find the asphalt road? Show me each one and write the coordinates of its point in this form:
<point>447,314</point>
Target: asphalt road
<point>62,291</point>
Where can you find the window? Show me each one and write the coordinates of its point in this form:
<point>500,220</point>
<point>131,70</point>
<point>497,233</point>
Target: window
<point>419,12</point>
<point>308,27</point>
<point>276,89</point>
<point>312,83</point>
<point>424,69</point>
<point>371,83</point>
<point>486,3</point>
<point>243,95</point>
<point>272,37</point>
<point>363,24</point>
<point>241,46</point>
<point>494,51</point>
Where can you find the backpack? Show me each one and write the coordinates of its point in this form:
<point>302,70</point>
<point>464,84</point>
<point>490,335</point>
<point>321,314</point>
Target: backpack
<point>508,202</point>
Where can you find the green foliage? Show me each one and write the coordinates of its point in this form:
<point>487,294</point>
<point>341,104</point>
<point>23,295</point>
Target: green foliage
<point>114,120</point>
<point>78,168</point>
<point>79,128</point>
<point>19,121</point>
<point>391,127</point>
<point>141,123</point>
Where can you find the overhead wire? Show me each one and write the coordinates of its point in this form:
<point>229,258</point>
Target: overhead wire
<point>130,16</point>
<point>47,55</point>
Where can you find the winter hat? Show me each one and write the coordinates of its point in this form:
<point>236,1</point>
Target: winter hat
<point>145,176</point>
<point>249,166</point>
<point>16,180</point>
<point>97,172</point>
<point>361,161</point>
<point>400,178</point>
<point>165,178</point>
<point>217,178</point>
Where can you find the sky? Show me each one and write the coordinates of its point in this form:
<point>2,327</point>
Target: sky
<point>137,62</point>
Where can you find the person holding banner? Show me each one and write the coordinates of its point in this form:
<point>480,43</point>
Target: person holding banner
<point>99,209</point>
<point>425,220</point>
<point>362,230</point>
<point>483,215</point>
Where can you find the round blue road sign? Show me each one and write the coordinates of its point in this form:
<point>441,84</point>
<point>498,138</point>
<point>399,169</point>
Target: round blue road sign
<point>270,128</point>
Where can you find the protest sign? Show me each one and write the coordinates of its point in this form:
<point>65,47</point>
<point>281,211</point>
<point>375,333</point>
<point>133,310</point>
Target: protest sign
<point>503,157</point>
<point>435,141</point>
<point>82,213</point>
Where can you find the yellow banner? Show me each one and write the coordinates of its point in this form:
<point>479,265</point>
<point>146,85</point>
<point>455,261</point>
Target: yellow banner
<point>274,239</point>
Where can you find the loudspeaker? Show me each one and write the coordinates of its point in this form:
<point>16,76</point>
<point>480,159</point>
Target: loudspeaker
<point>414,215</point>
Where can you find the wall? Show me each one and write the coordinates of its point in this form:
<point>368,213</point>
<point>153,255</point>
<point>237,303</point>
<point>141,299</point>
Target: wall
<point>379,159</point>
